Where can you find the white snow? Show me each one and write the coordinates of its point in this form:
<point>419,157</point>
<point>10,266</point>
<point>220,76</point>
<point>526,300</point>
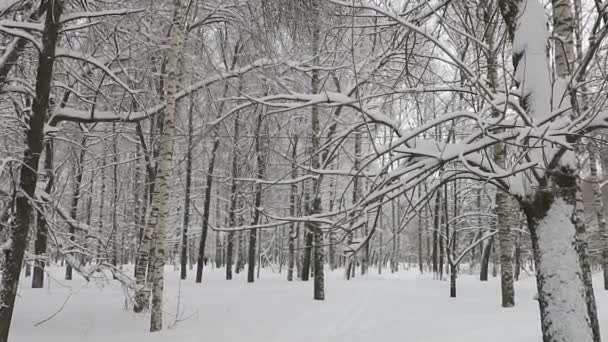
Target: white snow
<point>533,74</point>
<point>402,307</point>
<point>562,278</point>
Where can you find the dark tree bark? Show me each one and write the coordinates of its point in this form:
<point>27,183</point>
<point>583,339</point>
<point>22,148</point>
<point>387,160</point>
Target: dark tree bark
<point>307,251</point>
<point>485,259</point>
<point>517,257</point>
<point>184,247</point>
<point>40,245</point>
<point>233,200</point>
<point>79,168</point>
<point>260,153</point>
<point>293,203</point>
<point>436,227</point>
<point>218,237</point>
<point>206,212</point>
<point>29,171</point>
<point>113,240</point>
<point>420,252</point>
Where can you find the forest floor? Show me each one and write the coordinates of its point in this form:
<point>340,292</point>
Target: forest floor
<point>384,308</point>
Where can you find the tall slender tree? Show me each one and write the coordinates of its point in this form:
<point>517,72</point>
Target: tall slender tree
<point>29,172</point>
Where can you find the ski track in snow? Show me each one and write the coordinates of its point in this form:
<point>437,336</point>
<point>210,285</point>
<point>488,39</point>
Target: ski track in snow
<point>383,308</point>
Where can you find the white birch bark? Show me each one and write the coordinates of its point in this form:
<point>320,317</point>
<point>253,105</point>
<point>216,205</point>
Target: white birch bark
<point>161,199</point>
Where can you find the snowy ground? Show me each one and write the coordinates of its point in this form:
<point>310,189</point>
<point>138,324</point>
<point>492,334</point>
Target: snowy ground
<point>402,307</point>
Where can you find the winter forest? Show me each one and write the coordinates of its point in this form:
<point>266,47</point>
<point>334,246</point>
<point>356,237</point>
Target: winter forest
<point>297,170</point>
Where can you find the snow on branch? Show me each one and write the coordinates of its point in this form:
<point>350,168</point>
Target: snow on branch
<point>75,115</point>
<point>90,15</point>
<point>64,213</point>
<point>21,34</point>
<point>61,52</point>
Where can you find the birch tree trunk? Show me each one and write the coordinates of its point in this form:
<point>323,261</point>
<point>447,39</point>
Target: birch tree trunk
<point>315,209</point>
<point>28,177</point>
<point>554,215</point>
<point>503,202</point>
<point>600,207</point>
<point>145,243</point>
<point>505,240</point>
<point>161,208</point>
<point>559,275</point>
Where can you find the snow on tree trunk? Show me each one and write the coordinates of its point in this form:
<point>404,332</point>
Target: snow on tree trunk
<point>28,177</point>
<point>559,275</point>
<point>566,309</point>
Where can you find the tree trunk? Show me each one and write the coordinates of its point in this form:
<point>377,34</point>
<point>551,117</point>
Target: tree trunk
<point>308,240</point>
<point>292,211</point>
<point>315,209</point>
<point>559,273</point>
<point>436,227</point>
<point>505,248</point>
<point>503,201</point>
<point>160,206</point>
<point>233,200</point>
<point>420,252</point>
<point>206,211</point>
<point>151,154</point>
<point>218,236</point>
<point>28,178</point>
<point>40,245</point>
<point>517,257</point>
<point>452,280</point>
<point>75,198</point>
<point>113,241</point>
<point>184,249</point>
<point>599,207</point>
<point>260,152</point>
<point>485,259</point>
<point>101,251</point>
